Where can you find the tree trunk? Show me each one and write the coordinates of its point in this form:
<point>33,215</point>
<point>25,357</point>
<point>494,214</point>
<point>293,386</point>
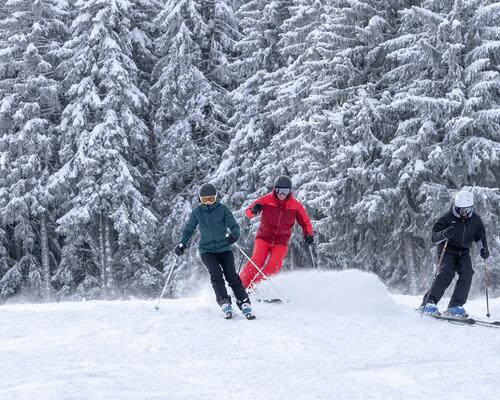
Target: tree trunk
<point>412,274</point>
<point>104,260</point>
<point>45,256</point>
<point>109,273</point>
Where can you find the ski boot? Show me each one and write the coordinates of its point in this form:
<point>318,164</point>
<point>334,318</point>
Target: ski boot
<point>456,312</point>
<point>246,309</point>
<point>430,309</point>
<point>228,310</point>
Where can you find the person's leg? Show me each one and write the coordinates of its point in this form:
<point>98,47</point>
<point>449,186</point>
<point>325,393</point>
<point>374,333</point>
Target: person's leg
<point>249,272</point>
<point>275,262</point>
<point>443,279</point>
<point>462,287</point>
<point>226,259</point>
<point>216,278</point>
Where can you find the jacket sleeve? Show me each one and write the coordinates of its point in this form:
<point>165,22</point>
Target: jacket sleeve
<point>230,222</point>
<point>248,211</point>
<point>304,221</point>
<point>189,229</point>
<point>480,234</point>
<point>438,230</point>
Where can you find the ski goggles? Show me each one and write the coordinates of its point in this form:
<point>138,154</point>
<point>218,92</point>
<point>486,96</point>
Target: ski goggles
<point>208,199</point>
<point>464,211</point>
<point>282,191</point>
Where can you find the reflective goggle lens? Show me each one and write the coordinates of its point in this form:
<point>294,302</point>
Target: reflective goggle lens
<point>282,191</point>
<point>465,211</point>
<point>208,199</point>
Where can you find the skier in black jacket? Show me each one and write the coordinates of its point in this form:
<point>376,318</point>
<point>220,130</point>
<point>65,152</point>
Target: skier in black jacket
<point>460,226</point>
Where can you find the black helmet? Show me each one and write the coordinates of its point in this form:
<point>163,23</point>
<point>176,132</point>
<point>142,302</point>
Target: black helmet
<point>207,189</point>
<point>283,182</point>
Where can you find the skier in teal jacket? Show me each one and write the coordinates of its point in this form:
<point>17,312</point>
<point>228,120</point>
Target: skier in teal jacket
<point>213,220</point>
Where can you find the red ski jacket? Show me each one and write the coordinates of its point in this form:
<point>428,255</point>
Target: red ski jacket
<point>278,217</point>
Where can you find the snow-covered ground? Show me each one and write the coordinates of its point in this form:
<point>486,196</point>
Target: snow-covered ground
<point>342,336</point>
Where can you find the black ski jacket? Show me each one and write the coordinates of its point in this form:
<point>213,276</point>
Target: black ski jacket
<point>467,230</point>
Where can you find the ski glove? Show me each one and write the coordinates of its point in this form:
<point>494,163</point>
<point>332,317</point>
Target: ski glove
<point>449,233</point>
<point>485,253</point>
<point>232,238</point>
<point>179,249</point>
<point>309,239</point>
<point>257,208</point>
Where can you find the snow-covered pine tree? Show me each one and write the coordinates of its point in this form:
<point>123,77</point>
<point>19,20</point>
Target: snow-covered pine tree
<point>319,145</point>
<point>217,51</point>
<point>104,147</point>
<point>32,32</point>
<point>392,216</point>
<point>143,33</point>
<point>476,144</point>
<point>258,60</point>
<point>423,161</point>
<point>190,105</point>
<point>179,100</point>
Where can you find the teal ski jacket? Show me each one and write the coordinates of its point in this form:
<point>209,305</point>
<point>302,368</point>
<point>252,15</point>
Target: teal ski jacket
<point>212,221</point>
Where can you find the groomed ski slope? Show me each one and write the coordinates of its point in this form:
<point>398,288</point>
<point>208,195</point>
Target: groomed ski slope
<point>342,336</point>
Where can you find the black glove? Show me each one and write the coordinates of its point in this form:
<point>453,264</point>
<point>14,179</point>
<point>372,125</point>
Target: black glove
<point>179,249</point>
<point>257,208</point>
<point>232,238</point>
<point>485,253</point>
<point>309,239</point>
<point>449,232</point>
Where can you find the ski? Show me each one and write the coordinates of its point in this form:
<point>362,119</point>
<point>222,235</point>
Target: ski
<point>461,320</point>
<point>250,316</point>
<point>270,301</point>
<point>493,324</point>
<point>468,321</point>
<point>228,315</point>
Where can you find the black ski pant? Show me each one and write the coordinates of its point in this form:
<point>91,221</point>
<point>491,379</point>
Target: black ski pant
<point>460,264</point>
<point>221,265</point>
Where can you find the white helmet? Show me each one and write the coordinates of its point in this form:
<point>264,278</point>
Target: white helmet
<point>464,203</point>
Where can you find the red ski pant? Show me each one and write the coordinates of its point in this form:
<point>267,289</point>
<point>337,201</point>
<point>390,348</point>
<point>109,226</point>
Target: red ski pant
<point>261,250</point>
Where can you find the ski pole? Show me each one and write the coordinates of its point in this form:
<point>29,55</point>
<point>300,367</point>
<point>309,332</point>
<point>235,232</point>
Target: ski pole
<point>246,246</point>
<point>486,283</point>
<point>438,267</point>
<point>262,273</point>
<point>312,257</point>
<point>157,307</point>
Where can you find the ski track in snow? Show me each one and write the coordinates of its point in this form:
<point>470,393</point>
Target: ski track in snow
<point>342,336</point>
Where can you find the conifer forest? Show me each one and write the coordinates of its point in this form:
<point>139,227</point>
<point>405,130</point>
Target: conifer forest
<point>114,112</point>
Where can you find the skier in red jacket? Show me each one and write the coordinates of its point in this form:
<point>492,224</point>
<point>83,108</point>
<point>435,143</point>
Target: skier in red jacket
<point>279,212</point>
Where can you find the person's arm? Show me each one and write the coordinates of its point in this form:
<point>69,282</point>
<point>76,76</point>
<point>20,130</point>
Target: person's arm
<point>189,229</point>
<point>480,234</point>
<point>304,221</point>
<point>441,231</point>
<point>231,223</point>
<point>255,208</point>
